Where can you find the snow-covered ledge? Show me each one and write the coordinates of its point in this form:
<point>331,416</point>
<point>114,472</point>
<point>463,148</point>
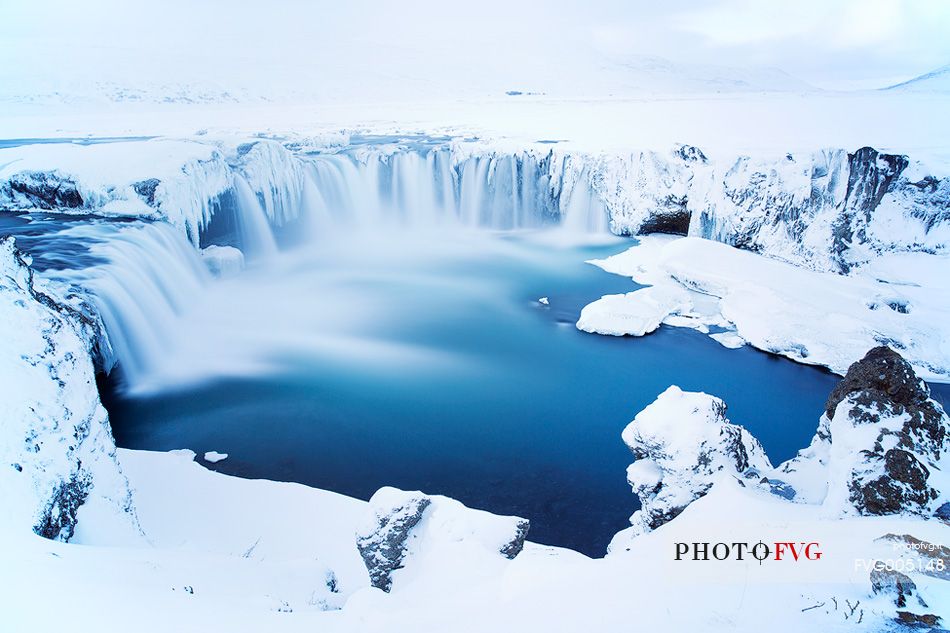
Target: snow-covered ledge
<point>818,318</point>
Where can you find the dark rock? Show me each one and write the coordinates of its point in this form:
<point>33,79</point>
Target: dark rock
<point>691,154</point>
<point>674,222</point>
<point>893,474</point>
<point>146,189</point>
<point>58,519</point>
<point>914,620</point>
<point>882,373</point>
<point>44,190</point>
<point>934,558</point>
<point>513,547</point>
<point>870,175</point>
<point>885,580</point>
<point>384,548</point>
<point>905,483</point>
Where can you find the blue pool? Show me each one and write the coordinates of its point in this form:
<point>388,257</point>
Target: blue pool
<point>488,397</point>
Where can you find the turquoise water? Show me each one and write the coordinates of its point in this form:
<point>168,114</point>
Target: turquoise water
<point>487,396</point>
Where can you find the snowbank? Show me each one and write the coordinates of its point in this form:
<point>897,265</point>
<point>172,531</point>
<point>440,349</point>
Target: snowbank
<point>809,316</point>
<point>58,459</point>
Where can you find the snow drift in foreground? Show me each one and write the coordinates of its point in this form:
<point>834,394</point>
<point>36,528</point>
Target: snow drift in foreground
<point>900,300</point>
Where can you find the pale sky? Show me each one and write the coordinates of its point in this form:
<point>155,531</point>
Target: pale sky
<point>829,43</point>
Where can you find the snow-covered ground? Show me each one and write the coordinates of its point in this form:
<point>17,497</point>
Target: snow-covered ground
<point>812,317</point>
<point>222,552</point>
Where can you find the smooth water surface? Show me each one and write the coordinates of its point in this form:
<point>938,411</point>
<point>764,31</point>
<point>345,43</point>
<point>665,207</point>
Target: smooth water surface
<point>426,362</point>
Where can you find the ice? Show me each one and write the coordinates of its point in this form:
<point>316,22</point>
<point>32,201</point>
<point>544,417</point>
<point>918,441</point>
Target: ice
<point>635,313</point>
<point>214,457</point>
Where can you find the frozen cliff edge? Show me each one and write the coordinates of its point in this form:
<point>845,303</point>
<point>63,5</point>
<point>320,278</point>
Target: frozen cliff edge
<point>58,462</point>
<point>827,210</point>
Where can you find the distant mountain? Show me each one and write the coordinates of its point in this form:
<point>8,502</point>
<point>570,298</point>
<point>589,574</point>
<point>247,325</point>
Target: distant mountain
<point>935,81</point>
<point>648,74</point>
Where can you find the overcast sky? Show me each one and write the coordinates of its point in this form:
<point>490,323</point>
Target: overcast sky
<point>830,43</point>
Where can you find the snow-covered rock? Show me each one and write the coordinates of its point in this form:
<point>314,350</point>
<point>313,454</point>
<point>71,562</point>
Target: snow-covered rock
<point>412,529</point>
<point>827,210</point>
<point>889,440</point>
<point>58,463</point>
<point>683,444</point>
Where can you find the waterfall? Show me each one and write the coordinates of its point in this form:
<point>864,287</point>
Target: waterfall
<point>143,277</point>
<point>148,277</point>
<point>429,188</point>
<point>257,238</point>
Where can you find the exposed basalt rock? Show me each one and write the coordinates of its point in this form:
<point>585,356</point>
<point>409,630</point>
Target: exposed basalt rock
<point>683,443</point>
<point>513,547</point>
<point>674,222</point>
<point>900,587</point>
<point>42,190</point>
<point>882,375</point>
<point>384,547</point>
<point>691,154</point>
<point>404,527</point>
<point>870,176</point>
<point>57,520</point>
<point>932,559</point>
<point>911,432</point>
<point>912,619</point>
<point>146,188</point>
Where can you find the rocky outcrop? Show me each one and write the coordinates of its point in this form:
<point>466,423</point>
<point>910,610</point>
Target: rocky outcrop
<point>889,439</point>
<point>385,545</point>
<point>827,210</point>
<point>890,582</point>
<point>871,174</point>
<point>58,459</point>
<point>683,443</point>
<point>404,528</point>
<point>40,190</point>
<point>146,189</point>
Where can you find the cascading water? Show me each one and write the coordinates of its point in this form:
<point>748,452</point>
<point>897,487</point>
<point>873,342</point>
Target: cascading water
<point>430,189</point>
<point>148,278</point>
<point>257,237</point>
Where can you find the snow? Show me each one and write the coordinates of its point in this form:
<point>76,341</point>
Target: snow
<point>809,316</point>
<point>213,551</point>
<point>214,457</point>
<point>634,313</point>
<point>57,445</point>
<point>223,261</point>
<point>254,555</point>
<point>165,544</point>
<point>683,444</point>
